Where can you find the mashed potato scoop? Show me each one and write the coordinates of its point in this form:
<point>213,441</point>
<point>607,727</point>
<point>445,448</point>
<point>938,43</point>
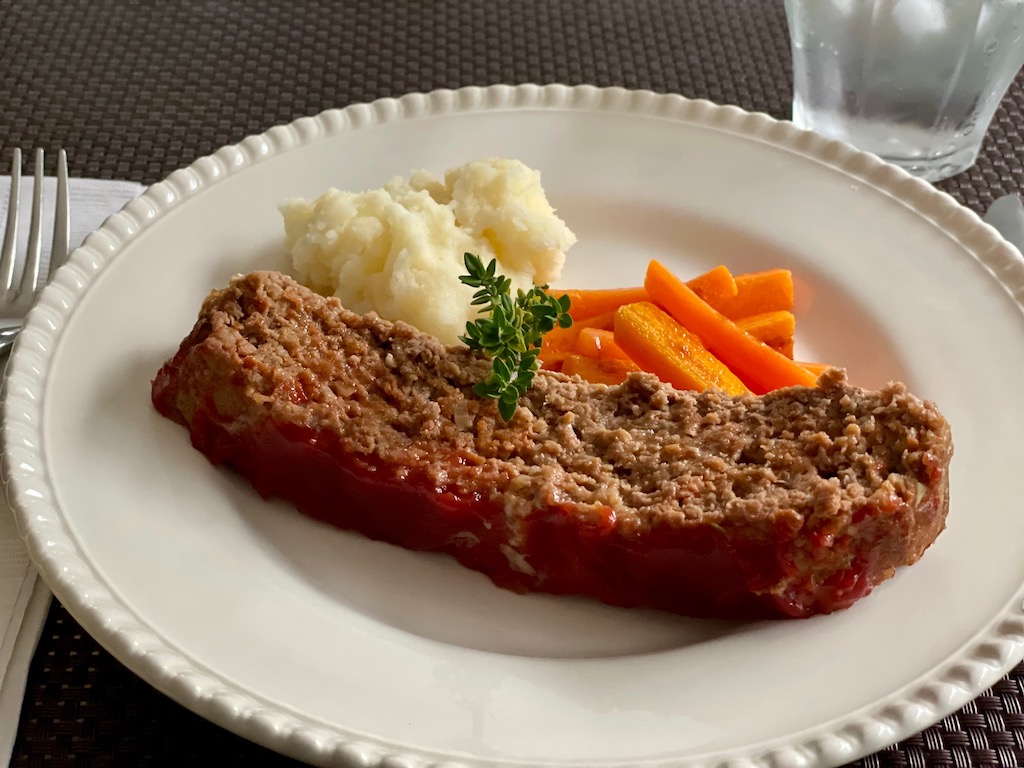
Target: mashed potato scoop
<point>398,251</point>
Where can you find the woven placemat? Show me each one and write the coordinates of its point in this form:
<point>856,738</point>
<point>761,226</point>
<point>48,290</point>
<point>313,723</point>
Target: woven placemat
<point>83,708</point>
<point>136,89</point>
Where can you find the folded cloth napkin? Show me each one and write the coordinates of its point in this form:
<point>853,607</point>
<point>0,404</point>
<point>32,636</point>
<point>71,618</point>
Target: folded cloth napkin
<point>25,599</point>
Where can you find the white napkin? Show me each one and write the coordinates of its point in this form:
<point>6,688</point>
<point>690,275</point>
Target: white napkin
<point>25,599</point>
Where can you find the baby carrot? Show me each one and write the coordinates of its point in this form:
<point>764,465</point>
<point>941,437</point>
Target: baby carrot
<point>715,286</point>
<point>756,293</point>
<point>587,303</point>
<point>776,329</point>
<point>599,343</point>
<point>659,344</point>
<point>816,368</point>
<point>598,371</point>
<point>559,342</point>
<point>759,366</point>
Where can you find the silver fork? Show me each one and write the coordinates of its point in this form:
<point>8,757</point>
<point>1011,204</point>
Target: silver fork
<point>15,300</point>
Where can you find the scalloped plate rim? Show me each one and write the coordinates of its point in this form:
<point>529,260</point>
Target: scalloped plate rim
<point>962,677</point>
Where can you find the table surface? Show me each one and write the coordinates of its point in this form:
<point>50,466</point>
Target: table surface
<point>135,90</point>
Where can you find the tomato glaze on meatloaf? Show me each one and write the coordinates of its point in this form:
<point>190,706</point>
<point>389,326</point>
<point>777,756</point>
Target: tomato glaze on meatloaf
<point>790,504</point>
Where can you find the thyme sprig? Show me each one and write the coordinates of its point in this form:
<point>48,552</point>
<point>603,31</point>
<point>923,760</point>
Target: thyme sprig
<point>510,331</point>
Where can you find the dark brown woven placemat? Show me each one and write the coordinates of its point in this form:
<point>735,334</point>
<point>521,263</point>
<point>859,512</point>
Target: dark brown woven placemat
<point>136,89</point>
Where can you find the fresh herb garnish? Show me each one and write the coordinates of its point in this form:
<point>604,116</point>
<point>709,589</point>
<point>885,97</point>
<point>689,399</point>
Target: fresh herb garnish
<point>511,333</point>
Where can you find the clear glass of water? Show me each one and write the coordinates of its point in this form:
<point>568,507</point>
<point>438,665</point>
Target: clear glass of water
<point>915,82</point>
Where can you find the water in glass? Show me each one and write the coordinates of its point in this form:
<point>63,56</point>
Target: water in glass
<point>913,81</point>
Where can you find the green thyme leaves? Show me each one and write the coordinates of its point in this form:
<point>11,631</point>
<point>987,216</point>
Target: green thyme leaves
<point>510,332</point>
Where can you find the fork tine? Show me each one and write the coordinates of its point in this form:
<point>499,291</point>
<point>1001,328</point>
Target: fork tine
<point>62,216</point>
<point>30,276</point>
<point>11,233</point>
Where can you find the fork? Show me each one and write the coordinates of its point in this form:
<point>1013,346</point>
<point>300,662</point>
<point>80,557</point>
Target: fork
<point>15,301</point>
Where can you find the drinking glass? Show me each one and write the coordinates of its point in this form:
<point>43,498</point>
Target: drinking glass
<point>915,82</point>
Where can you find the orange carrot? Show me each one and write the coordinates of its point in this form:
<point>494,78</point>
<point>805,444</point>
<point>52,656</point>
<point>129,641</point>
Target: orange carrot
<point>559,342</point>
<point>599,343</point>
<point>775,329</point>
<point>555,345</point>
<point>605,321</point>
<point>759,366</point>
<point>598,371</point>
<point>769,326</point>
<point>816,368</point>
<point>715,286</point>
<point>559,339</point>
<point>588,343</point>
<point>782,347</point>
<point>659,344</point>
<point>552,361</point>
<point>756,293</point>
<point>588,303</point>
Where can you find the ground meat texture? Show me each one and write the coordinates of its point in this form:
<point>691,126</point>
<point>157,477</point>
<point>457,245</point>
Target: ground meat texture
<point>786,505</point>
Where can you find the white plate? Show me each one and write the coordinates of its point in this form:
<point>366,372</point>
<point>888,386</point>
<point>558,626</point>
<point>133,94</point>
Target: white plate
<point>338,650</point>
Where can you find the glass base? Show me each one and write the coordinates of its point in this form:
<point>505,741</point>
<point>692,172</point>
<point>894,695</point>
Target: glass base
<point>937,168</point>
<point>921,152</point>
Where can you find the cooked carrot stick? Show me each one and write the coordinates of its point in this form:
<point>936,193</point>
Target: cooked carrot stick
<point>559,342</point>
<point>599,343</point>
<point>659,344</point>
<point>769,326</point>
<point>552,361</point>
<point>782,347</point>
<point>605,321</point>
<point>756,293</point>
<point>759,366</point>
<point>714,286</point>
<point>588,343</point>
<point>556,344</point>
<point>599,371</point>
<point>775,329</point>
<point>590,302</point>
<point>816,368</point>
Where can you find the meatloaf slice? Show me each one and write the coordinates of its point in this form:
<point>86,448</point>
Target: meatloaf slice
<point>786,505</point>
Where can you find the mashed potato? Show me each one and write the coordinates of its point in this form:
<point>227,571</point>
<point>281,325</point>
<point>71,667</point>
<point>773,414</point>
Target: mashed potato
<point>399,250</point>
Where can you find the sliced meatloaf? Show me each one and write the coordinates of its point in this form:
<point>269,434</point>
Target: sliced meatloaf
<point>790,504</point>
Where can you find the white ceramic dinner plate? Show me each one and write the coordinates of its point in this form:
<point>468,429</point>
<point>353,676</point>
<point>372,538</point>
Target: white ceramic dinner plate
<point>343,651</point>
